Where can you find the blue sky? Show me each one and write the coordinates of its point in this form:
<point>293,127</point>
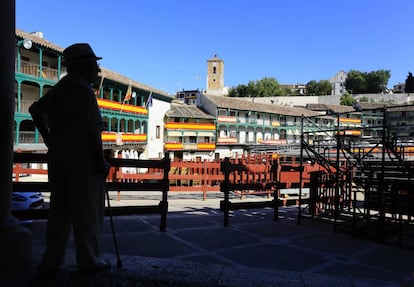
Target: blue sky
<point>166,43</point>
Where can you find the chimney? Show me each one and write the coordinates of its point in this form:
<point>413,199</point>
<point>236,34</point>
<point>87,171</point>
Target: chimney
<point>37,34</point>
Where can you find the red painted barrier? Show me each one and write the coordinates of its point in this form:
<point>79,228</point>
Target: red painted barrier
<point>205,176</point>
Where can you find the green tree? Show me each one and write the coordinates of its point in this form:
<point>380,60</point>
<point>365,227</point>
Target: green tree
<point>315,88</point>
<point>355,82</point>
<point>239,91</point>
<point>311,87</point>
<point>377,81</point>
<point>286,91</point>
<point>409,83</point>
<point>324,87</point>
<point>362,82</point>
<point>266,87</point>
<point>347,100</point>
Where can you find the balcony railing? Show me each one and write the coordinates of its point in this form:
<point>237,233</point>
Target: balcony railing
<point>28,137</point>
<point>34,70</point>
<point>24,106</point>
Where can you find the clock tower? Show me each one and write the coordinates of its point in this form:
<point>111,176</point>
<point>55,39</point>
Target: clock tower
<point>215,76</point>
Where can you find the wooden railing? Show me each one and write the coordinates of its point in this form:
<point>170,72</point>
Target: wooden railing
<point>159,183</point>
<point>205,176</point>
<point>34,70</point>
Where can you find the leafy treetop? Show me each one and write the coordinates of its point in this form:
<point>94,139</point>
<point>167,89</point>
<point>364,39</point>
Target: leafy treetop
<point>266,87</point>
<point>367,82</point>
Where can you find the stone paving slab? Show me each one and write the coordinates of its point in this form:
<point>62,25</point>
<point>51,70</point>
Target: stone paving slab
<point>197,250</point>
<point>144,271</point>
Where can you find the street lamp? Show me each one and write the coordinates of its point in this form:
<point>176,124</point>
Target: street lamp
<point>26,43</point>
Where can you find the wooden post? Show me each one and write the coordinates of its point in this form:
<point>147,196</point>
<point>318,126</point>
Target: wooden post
<point>224,189</point>
<point>204,180</point>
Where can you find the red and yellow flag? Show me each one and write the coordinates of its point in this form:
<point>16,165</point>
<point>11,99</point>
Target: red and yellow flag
<point>128,94</point>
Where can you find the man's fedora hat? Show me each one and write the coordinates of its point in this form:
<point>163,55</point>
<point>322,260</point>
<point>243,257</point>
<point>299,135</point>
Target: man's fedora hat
<point>77,53</point>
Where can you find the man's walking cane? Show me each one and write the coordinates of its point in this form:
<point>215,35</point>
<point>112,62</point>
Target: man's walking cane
<point>119,262</point>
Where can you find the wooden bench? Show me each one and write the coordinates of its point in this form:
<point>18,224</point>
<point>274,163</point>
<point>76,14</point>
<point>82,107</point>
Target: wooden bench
<point>227,186</point>
<point>161,185</point>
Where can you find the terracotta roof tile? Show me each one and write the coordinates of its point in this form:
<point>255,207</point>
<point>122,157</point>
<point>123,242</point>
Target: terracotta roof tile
<point>180,110</point>
<point>236,104</point>
<point>405,108</point>
<point>108,74</point>
<point>370,106</point>
<point>38,40</point>
<point>330,108</point>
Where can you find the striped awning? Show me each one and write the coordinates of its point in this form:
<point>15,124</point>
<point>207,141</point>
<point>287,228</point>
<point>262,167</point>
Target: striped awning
<point>174,134</point>
<point>205,134</point>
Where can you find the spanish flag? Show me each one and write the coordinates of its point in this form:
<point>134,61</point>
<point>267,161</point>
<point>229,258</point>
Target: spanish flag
<point>128,93</point>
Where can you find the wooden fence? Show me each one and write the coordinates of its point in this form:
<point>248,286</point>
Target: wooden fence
<point>204,176</point>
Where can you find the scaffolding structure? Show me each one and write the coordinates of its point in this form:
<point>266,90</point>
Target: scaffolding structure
<point>365,184</point>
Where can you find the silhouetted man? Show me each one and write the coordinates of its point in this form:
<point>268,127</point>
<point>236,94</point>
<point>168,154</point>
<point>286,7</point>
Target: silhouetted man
<point>69,120</point>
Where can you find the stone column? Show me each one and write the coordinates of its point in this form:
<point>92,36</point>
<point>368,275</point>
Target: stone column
<point>15,241</point>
